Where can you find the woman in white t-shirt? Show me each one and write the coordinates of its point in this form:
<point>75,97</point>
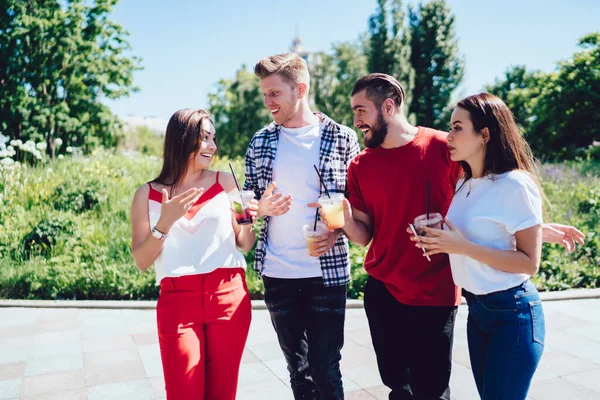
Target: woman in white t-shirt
<point>493,235</point>
<point>183,224</point>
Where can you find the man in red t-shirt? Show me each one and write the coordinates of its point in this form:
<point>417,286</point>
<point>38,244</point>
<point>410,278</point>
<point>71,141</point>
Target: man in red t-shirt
<point>410,302</point>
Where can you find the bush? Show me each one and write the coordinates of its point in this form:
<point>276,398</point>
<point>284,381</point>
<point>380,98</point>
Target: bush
<point>594,151</point>
<point>65,230</point>
<point>358,275</point>
<point>574,194</point>
<point>46,233</point>
<point>79,196</point>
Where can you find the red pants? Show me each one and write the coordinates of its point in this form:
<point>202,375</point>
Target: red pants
<point>203,323</point>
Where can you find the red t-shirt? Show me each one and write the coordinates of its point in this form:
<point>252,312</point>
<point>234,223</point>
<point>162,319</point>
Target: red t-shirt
<point>390,185</point>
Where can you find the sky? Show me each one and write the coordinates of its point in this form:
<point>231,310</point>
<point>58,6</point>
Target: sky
<point>187,46</point>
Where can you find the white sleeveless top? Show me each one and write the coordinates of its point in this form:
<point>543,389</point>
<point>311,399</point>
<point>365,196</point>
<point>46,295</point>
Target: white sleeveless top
<point>200,241</point>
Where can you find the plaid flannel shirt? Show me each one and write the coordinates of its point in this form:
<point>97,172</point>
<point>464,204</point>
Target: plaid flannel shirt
<point>339,145</point>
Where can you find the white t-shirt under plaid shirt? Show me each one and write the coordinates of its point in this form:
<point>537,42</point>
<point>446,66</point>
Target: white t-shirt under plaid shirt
<point>287,255</point>
<point>338,146</point>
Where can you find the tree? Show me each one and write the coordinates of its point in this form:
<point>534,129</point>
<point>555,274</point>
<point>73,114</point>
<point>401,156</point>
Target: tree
<point>558,110</point>
<point>333,78</point>
<point>518,89</point>
<point>238,112</point>
<point>388,50</point>
<point>567,111</point>
<point>58,60</point>
<point>380,57</point>
<point>439,69</point>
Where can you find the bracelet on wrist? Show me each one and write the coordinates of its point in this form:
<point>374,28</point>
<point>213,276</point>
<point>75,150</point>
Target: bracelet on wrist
<point>158,234</point>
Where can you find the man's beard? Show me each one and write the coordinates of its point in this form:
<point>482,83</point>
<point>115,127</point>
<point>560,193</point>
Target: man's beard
<point>378,133</point>
<point>290,110</point>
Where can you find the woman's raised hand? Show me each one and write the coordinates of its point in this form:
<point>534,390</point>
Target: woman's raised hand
<point>173,209</point>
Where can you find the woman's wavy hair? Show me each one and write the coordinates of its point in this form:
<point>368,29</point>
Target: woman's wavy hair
<point>183,139</point>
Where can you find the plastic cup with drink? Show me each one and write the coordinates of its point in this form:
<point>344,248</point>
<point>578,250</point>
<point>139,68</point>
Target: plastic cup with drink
<point>312,232</point>
<point>432,220</point>
<point>429,220</point>
<point>333,210</point>
<point>240,201</point>
<point>239,205</point>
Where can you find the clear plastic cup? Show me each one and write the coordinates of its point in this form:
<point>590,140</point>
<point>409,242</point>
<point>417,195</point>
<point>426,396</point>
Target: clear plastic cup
<point>333,210</point>
<point>310,234</point>
<point>239,205</point>
<point>434,222</point>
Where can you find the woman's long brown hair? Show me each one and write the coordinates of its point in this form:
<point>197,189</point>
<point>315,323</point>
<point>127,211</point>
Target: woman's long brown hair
<point>183,138</point>
<point>506,148</point>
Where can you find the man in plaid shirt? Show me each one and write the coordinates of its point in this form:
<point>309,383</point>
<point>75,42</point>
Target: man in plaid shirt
<point>305,293</point>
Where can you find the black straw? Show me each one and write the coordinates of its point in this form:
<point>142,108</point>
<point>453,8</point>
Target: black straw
<point>427,200</point>
<point>234,178</point>
<point>316,216</point>
<point>322,183</point>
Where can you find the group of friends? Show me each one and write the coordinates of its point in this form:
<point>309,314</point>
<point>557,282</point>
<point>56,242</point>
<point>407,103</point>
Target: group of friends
<point>480,176</point>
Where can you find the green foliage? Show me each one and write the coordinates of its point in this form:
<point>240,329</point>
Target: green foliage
<point>574,196</point>
<point>79,197</point>
<point>517,88</point>
<point>58,59</point>
<point>558,110</point>
<point>60,278</point>
<point>46,233</point>
<point>358,275</point>
<point>73,253</point>
<point>389,45</point>
<point>594,151</point>
<point>435,58</point>
<point>238,111</point>
<point>332,80</point>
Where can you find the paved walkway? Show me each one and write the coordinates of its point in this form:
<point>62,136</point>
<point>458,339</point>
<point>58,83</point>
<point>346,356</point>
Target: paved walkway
<point>53,353</point>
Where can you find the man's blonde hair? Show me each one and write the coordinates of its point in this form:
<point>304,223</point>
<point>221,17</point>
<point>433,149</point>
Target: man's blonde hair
<point>289,66</point>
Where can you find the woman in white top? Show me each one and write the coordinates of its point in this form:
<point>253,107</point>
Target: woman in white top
<point>183,224</point>
<point>493,235</point>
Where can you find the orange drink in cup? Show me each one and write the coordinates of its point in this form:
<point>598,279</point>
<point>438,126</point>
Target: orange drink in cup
<point>333,210</point>
<point>311,234</point>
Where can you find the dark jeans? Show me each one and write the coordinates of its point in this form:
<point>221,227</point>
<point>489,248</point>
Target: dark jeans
<point>413,344</point>
<point>309,320</point>
<point>506,333</point>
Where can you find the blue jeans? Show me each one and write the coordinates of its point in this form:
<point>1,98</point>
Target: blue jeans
<point>505,331</point>
<point>309,320</point>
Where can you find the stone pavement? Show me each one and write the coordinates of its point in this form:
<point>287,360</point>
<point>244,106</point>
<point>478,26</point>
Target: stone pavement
<point>100,354</point>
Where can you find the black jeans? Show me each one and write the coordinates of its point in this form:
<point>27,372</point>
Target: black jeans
<point>413,344</point>
<point>309,320</point>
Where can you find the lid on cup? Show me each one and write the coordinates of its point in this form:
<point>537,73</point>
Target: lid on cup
<point>333,198</point>
<point>314,230</point>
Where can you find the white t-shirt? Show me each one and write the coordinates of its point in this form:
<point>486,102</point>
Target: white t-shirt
<point>286,251</point>
<point>494,211</point>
